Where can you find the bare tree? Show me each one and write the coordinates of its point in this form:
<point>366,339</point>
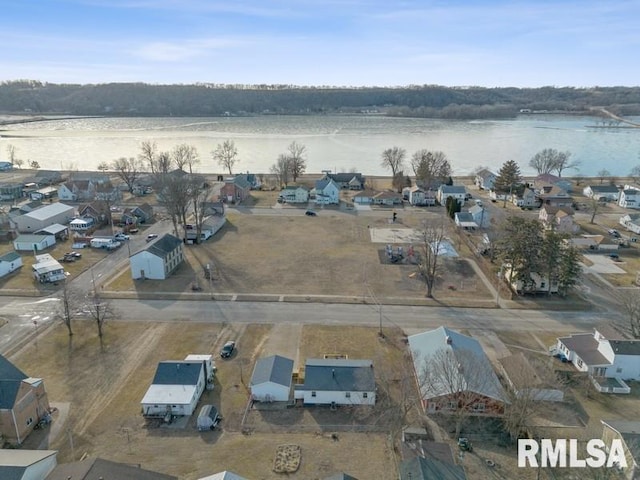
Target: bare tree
<point>103,166</point>
<point>164,163</point>
<point>34,164</point>
<point>459,379</point>
<point>13,157</point>
<point>563,162</point>
<point>70,302</point>
<point>148,155</point>
<point>635,173</point>
<point>128,170</point>
<point>100,310</point>
<point>602,174</point>
<point>550,159</point>
<point>297,160</point>
<point>199,195</point>
<point>430,168</point>
<point>226,154</point>
<point>629,302</point>
<point>281,170</point>
<point>594,205</point>
<point>393,159</point>
<point>175,193</point>
<point>185,156</point>
<point>432,236</point>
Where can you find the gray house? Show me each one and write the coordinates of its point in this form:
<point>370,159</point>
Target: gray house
<point>271,379</point>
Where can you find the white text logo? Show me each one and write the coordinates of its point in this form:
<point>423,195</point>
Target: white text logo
<point>565,453</point>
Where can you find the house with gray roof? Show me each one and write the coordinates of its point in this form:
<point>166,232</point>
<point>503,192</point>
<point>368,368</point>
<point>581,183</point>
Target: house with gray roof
<point>629,432</point>
<point>18,464</point>
<point>326,192</point>
<point>176,388</point>
<point>485,179</point>
<point>609,361</point>
<point>98,468</point>
<point>158,260</point>
<point>23,402</point>
<point>459,192</point>
<point>337,382</point>
<point>271,379</point>
<point>235,189</point>
<point>481,216</point>
<point>9,262</point>
<point>421,468</point>
<point>294,194</point>
<point>349,181</point>
<point>471,383</point>
<point>606,193</point>
<point>465,220</point>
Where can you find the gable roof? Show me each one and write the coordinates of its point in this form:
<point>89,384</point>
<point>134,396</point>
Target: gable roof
<point>464,217</point>
<point>98,468</point>
<point>420,468</point>
<point>14,462</point>
<point>239,181</point>
<point>338,375</point>
<point>424,345</point>
<point>603,188</point>
<point>453,189</point>
<point>346,177</point>
<point>629,430</point>
<point>48,211</point>
<point>485,173</point>
<point>10,379</point>
<point>324,183</point>
<point>476,209</point>
<point>547,178</point>
<point>9,257</point>
<point>274,369</point>
<point>164,245</point>
<point>178,372</point>
<point>223,476</point>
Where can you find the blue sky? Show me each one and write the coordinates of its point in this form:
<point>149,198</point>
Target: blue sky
<point>528,43</point>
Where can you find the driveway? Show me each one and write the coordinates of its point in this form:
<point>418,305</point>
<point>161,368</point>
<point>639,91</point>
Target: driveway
<point>602,264</point>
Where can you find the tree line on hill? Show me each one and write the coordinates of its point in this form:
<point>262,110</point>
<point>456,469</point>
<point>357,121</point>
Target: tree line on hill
<point>433,101</point>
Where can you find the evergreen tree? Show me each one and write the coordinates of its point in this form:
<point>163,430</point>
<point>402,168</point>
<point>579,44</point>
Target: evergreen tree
<point>508,177</point>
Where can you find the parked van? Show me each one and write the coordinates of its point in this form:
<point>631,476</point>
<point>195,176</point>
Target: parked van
<point>107,243</point>
<point>208,418</point>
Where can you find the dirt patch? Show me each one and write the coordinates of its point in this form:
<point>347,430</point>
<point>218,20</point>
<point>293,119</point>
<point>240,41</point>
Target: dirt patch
<point>287,459</point>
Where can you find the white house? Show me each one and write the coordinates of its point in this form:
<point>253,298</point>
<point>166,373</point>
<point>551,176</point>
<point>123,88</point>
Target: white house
<point>631,222</point>
<point>607,193</point>
<point>9,262</point>
<point>536,284</point>
<point>629,197</point>
<point>337,382</point>
<point>364,197</point>
<point>33,243</point>
<point>18,464</point>
<point>420,197</point>
<point>66,193</point>
<point>175,390</point>
<point>327,192</point>
<point>294,194</point>
<point>485,179</point>
<point>459,192</point>
<point>465,220</point>
<point>271,379</point>
<point>81,224</point>
<point>47,269</point>
<point>158,260</point>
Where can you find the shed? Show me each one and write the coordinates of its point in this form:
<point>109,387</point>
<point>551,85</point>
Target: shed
<point>59,231</point>
<point>33,242</point>
<point>271,379</point>
<point>47,269</point>
<point>9,262</point>
<point>208,418</point>
<point>27,464</point>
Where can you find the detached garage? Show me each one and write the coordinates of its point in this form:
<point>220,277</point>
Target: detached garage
<point>30,243</point>
<point>271,380</point>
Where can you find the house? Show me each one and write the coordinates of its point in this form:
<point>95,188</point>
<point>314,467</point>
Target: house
<point>235,189</point>
<point>602,358</point>
<point>43,217</point>
<point>23,402</point>
<point>525,381</point>
<point>364,197</point>
<point>107,192</point>
<point>175,390</point>
<point>158,259</point>
<point>253,180</point>
<point>294,194</point>
<point>124,218</point>
<point>33,242</point>
<point>144,213</point>
<point>459,192</point>
<point>6,166</point>
<point>631,222</point>
<point>387,198</point>
<point>420,197</point>
<point>421,468</point>
<point>547,179</point>
<point>629,197</point>
<point>98,210</point>
<point>9,262</point>
<point>485,179</point>
<point>210,226</point>
<point>629,432</point>
<point>593,242</point>
<point>226,475</point>
<point>82,224</point>
<point>98,469</point>
<point>337,382</point>
<point>475,387</point>
<point>77,190</point>
<point>528,199</point>
<point>556,197</point>
<point>271,379</point>
<point>45,193</point>
<point>349,181</point>
<point>61,232</point>
<point>327,192</point>
<point>465,220</point>
<point>559,219</point>
<point>10,191</point>
<point>18,464</point>
<point>480,216</point>
<point>47,269</point>
<point>603,193</point>
<point>534,283</point>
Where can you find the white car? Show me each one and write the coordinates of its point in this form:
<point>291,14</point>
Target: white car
<point>121,236</point>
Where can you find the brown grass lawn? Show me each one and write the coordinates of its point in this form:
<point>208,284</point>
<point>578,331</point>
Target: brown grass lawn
<point>104,386</point>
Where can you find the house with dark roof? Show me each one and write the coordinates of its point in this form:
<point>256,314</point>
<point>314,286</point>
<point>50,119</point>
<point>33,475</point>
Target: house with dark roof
<point>459,192</point>
<point>480,215</point>
<point>346,181</point>
<point>485,179</point>
<point>271,379</point>
<point>48,177</point>
<point>9,262</point>
<point>326,192</point>
<point>158,259</point>
<point>559,219</point>
<point>387,198</point>
<point>465,220</point>
<point>547,179</point>
<point>629,197</point>
<point>603,193</point>
<point>421,468</point>
<point>176,388</point>
<point>98,469</point>
<point>608,361</point>
<point>18,464</point>
<point>235,189</point>
<point>629,432</point>
<point>337,382</point>
<point>472,384</point>
<point>23,402</point>
<point>555,196</point>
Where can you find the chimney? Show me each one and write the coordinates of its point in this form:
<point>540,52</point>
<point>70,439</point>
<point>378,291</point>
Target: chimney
<point>449,340</point>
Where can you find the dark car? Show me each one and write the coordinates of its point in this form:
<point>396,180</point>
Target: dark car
<point>310,213</point>
<point>614,256</point>
<point>227,349</point>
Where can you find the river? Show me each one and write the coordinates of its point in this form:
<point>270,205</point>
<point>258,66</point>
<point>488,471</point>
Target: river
<point>337,143</point>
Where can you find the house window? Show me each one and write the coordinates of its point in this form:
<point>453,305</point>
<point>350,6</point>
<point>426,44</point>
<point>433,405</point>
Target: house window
<point>580,362</point>
<point>479,407</point>
<point>365,395</point>
<point>347,394</point>
<point>618,370</point>
<point>453,405</point>
<point>29,421</point>
<point>313,394</point>
<point>542,285</point>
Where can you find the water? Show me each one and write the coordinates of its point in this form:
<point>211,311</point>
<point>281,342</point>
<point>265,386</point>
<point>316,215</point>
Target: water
<point>337,143</point>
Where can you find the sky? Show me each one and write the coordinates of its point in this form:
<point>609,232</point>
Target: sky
<point>490,43</point>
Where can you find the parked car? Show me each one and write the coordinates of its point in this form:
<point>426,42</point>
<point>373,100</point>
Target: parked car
<point>121,236</point>
<point>614,256</point>
<point>614,233</point>
<point>73,254</point>
<point>133,230</point>
<point>310,213</point>
<point>151,236</point>
<point>228,349</point>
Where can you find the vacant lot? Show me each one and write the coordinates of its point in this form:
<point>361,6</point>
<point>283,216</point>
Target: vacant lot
<point>105,383</point>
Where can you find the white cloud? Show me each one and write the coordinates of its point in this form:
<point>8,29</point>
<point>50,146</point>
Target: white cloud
<point>179,51</point>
